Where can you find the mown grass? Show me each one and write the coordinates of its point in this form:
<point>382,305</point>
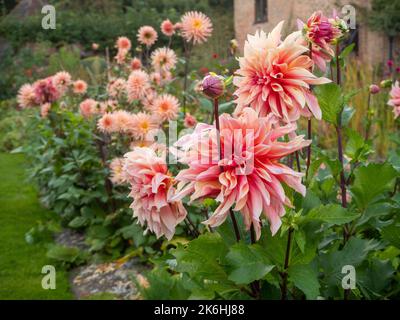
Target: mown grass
<point>21,263</point>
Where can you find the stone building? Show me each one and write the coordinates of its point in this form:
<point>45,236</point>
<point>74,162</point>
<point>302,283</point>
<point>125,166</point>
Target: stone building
<point>250,15</point>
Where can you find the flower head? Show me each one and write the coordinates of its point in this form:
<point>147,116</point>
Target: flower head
<point>137,84</point>
<point>143,126</point>
<point>123,120</point>
<point>44,110</point>
<point>107,123</point>
<point>120,58</point>
<point>190,121</point>
<point>46,91</point>
<point>123,43</point>
<point>80,87</point>
<point>249,174</point>
<point>88,107</point>
<point>147,36</point>
<point>374,89</point>
<point>151,186</point>
<point>196,27</point>
<point>26,96</point>
<point>166,107</point>
<point>62,80</point>
<point>136,64</point>
<point>163,59</point>
<point>274,77</point>
<point>395,99</point>
<point>116,87</point>
<point>117,171</point>
<point>168,28</point>
<point>213,86</point>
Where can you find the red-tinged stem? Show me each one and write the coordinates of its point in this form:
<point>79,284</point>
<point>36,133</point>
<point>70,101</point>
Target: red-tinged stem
<point>185,80</point>
<point>368,126</point>
<point>216,117</point>
<point>309,129</point>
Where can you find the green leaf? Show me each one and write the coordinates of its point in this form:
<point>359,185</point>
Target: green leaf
<point>346,51</point>
<point>331,213</point>
<point>206,104</point>
<point>305,277</point>
<point>202,257</point>
<point>78,222</point>
<point>330,100</point>
<point>391,234</point>
<point>372,181</point>
<point>248,263</point>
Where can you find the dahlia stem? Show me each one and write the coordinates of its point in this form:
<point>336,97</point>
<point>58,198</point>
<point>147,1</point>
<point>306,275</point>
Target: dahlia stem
<point>197,232</point>
<point>185,80</point>
<point>368,125</point>
<point>284,274</point>
<point>309,129</point>
<point>216,117</point>
<point>255,285</point>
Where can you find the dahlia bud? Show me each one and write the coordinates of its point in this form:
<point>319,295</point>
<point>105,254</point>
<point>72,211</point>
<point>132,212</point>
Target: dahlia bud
<point>95,46</point>
<point>374,89</point>
<point>213,85</point>
<point>386,83</point>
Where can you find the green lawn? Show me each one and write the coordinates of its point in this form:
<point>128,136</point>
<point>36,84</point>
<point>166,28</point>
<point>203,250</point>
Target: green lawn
<point>21,263</point>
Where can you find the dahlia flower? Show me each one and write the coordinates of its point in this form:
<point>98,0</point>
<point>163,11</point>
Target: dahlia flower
<point>143,126</point>
<point>155,78</point>
<point>213,86</point>
<point>107,123</point>
<point>136,64</point>
<point>166,107</point>
<point>120,58</point>
<point>80,87</point>
<point>117,171</point>
<point>44,110</point>
<point>395,99</point>
<point>167,28</point>
<point>148,99</point>
<point>274,77</point>
<point>147,36</point>
<point>26,96</point>
<point>123,120</point>
<point>163,59</point>
<point>123,43</point>
<point>62,80</point>
<point>249,175</point>
<point>137,84</point>
<point>88,107</point>
<point>189,121</point>
<point>196,27</point>
<point>116,87</point>
<point>151,186</point>
<point>45,91</point>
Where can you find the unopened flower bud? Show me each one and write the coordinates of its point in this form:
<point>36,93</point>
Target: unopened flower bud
<point>213,86</point>
<point>374,89</point>
<point>386,83</point>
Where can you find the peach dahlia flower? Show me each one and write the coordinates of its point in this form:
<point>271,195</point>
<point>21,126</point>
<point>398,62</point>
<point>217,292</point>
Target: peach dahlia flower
<point>395,99</point>
<point>147,36</point>
<point>80,86</point>
<point>123,43</point>
<point>137,85</point>
<point>168,28</point>
<point>26,96</point>
<point>151,186</point>
<point>165,107</point>
<point>163,59</point>
<point>249,175</point>
<point>117,176</point>
<point>196,27</point>
<point>274,77</point>
<point>88,107</point>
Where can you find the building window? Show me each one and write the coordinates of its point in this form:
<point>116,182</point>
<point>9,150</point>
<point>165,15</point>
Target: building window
<point>261,11</point>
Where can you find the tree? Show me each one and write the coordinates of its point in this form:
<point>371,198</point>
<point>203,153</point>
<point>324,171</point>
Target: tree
<point>384,16</point>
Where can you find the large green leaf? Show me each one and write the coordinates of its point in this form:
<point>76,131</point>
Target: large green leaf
<point>391,234</point>
<point>330,100</point>
<point>248,263</point>
<point>331,213</point>
<point>305,277</point>
<point>372,181</point>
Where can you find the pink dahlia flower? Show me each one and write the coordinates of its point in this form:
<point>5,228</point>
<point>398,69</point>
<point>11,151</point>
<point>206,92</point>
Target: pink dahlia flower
<point>136,64</point>
<point>46,91</point>
<point>147,36</point>
<point>168,28</point>
<point>196,27</point>
<point>190,121</point>
<point>62,80</point>
<point>274,77</point>
<point>88,107</point>
<point>45,109</point>
<point>249,175</point>
<point>163,59</point>
<point>120,57</point>
<point>107,123</point>
<point>116,87</point>
<point>143,126</point>
<point>151,186</point>
<point>123,43</point>
<point>395,99</point>
<point>117,171</point>
<point>137,84</point>
<point>166,107</point>
<point>26,97</point>
<point>80,87</point>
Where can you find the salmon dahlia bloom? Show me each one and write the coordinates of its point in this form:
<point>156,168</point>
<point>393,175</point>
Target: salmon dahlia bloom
<point>274,77</point>
<point>196,27</point>
<point>143,126</point>
<point>116,87</point>
<point>123,43</point>
<point>120,58</point>
<point>80,87</point>
<point>166,107</point>
<point>151,186</point>
<point>117,171</point>
<point>107,123</point>
<point>123,120</point>
<point>147,36</point>
<point>163,59</point>
<point>26,96</point>
<point>45,109</point>
<point>249,175</point>
<point>190,121</point>
<point>136,64</point>
<point>62,80</point>
<point>88,107</point>
<point>395,99</point>
<point>168,28</point>
<point>46,91</point>
<point>137,84</point>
